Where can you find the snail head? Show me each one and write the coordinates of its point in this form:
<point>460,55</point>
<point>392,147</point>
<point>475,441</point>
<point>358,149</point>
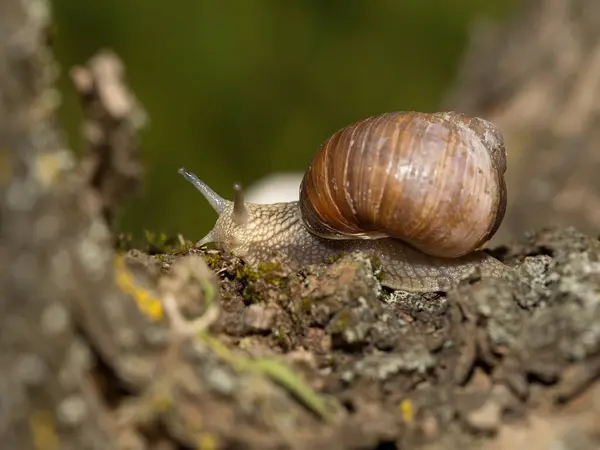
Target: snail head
<point>244,228</point>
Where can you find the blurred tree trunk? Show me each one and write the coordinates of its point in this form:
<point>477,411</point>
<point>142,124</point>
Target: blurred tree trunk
<point>48,253</point>
<point>538,78</point>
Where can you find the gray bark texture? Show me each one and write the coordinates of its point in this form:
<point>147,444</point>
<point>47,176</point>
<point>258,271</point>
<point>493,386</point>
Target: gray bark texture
<point>53,252</point>
<point>537,78</point>
<point>190,348</point>
<point>56,254</point>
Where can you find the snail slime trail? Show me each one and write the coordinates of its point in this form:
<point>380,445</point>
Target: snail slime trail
<point>422,192</point>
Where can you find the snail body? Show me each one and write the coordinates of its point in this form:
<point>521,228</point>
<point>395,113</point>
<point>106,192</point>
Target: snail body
<point>421,192</point>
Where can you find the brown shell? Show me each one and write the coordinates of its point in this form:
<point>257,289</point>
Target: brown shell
<point>435,181</point>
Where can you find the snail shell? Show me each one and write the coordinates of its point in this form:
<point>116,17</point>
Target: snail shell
<point>434,181</point>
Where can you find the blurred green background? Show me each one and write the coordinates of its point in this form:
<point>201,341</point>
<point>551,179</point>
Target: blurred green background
<point>237,90</point>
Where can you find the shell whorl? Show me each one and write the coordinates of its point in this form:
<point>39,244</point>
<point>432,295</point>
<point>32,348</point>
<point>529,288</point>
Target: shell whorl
<point>435,181</point>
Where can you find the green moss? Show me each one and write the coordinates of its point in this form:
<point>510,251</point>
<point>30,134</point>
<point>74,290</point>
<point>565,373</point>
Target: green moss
<point>249,277</point>
<point>336,258</point>
<point>246,274</point>
<point>251,295</point>
<point>214,261</point>
<point>156,243</point>
<point>267,272</point>
<point>185,247</point>
<point>306,305</point>
<point>162,257</point>
<point>268,266</point>
<point>341,322</point>
<point>377,268</point>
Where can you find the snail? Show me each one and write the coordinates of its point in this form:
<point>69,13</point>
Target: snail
<point>422,192</point>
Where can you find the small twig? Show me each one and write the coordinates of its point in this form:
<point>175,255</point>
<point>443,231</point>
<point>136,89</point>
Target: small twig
<point>186,328</point>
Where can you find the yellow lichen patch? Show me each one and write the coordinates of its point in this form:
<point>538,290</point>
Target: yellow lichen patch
<point>43,432</point>
<point>245,343</point>
<point>407,410</point>
<point>49,166</point>
<point>148,304</point>
<point>207,441</point>
<point>162,402</point>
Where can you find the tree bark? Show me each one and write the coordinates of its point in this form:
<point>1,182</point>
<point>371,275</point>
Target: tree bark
<point>538,78</point>
<point>94,350</point>
<point>101,350</point>
<point>51,253</point>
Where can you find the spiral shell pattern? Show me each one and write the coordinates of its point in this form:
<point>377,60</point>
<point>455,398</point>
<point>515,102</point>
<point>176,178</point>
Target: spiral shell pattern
<point>435,181</point>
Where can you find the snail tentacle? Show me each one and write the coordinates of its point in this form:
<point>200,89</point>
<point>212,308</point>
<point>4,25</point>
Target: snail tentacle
<point>240,213</point>
<point>217,202</point>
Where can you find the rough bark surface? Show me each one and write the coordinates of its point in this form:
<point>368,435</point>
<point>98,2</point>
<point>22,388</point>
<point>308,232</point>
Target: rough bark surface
<point>538,78</point>
<point>112,119</point>
<point>183,347</point>
<point>54,253</point>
